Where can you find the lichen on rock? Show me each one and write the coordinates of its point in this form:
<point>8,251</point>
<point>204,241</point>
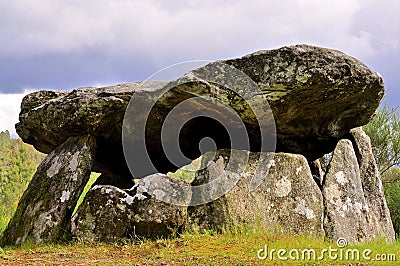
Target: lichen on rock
<point>316,95</point>
<point>288,199</point>
<point>349,212</point>
<point>316,99</point>
<point>109,214</point>
<point>44,211</point>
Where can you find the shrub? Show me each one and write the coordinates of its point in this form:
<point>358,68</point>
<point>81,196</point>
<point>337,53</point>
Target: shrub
<point>392,193</point>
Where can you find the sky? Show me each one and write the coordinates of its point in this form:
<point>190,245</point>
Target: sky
<point>55,44</point>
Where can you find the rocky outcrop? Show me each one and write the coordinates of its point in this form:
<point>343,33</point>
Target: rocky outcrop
<point>287,200</point>
<point>109,214</point>
<point>316,96</point>
<point>45,209</point>
<point>48,118</point>
<point>271,115</point>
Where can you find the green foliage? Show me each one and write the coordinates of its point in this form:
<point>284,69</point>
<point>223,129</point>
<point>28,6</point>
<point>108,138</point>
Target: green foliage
<point>93,178</point>
<point>187,172</point>
<point>392,193</point>
<point>18,162</point>
<point>384,131</point>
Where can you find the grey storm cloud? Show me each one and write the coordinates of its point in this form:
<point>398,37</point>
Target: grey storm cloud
<point>54,44</point>
<point>59,38</point>
<point>164,30</point>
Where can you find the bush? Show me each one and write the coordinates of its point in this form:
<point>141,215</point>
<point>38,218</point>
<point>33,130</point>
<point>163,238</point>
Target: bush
<point>384,131</point>
<point>392,193</point>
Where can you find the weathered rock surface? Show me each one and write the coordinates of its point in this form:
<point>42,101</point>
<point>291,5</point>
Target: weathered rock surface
<point>288,199</point>
<point>316,95</point>
<point>379,218</point>
<point>45,209</point>
<point>154,217</point>
<point>103,216</point>
<point>348,212</point>
<point>48,118</point>
<point>109,214</point>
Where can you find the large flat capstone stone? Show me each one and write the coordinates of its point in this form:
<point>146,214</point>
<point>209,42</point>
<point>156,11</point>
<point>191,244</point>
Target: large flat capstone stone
<point>316,96</point>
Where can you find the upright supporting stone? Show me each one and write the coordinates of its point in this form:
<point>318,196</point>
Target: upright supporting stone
<point>380,220</point>
<point>287,200</point>
<point>45,209</point>
<point>346,210</point>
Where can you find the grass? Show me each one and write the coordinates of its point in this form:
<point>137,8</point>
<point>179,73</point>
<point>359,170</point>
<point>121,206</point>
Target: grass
<point>92,179</point>
<point>232,248</point>
<point>187,172</point>
<point>192,249</point>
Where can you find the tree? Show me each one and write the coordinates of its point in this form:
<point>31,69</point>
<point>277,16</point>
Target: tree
<point>384,131</point>
<point>4,136</point>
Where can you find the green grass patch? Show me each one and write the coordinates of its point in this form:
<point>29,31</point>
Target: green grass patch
<point>92,179</point>
<point>187,172</point>
<point>206,249</point>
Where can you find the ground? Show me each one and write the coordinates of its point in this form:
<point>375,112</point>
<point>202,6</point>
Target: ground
<point>238,248</point>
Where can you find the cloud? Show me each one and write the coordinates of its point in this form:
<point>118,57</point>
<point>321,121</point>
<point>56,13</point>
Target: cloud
<point>9,111</point>
<point>169,29</point>
<point>50,44</point>
<point>380,20</point>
